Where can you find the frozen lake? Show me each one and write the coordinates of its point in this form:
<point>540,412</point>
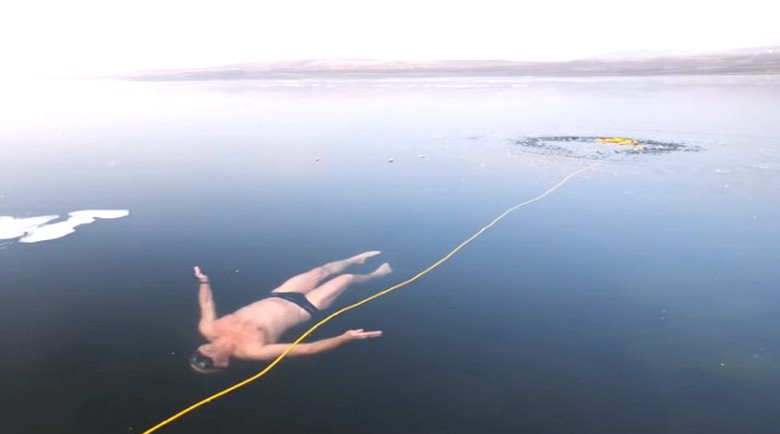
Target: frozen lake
<point>641,297</point>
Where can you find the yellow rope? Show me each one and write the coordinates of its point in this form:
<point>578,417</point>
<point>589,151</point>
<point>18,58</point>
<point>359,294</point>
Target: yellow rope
<point>362,302</point>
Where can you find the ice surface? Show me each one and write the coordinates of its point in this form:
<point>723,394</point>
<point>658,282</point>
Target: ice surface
<point>37,229</point>
<point>11,227</point>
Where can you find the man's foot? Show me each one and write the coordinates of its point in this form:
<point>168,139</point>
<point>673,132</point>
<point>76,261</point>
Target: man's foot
<point>382,270</point>
<point>361,258</point>
<point>339,266</point>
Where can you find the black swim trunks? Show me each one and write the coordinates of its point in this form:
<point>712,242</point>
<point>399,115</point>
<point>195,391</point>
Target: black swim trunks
<point>299,299</point>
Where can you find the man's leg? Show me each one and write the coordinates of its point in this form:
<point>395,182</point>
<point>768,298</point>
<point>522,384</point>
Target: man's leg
<point>309,280</point>
<point>323,295</point>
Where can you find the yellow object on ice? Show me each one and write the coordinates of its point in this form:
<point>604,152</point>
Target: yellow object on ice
<point>618,141</point>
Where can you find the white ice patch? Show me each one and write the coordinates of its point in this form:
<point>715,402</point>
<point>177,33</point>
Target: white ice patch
<point>11,227</point>
<point>36,229</point>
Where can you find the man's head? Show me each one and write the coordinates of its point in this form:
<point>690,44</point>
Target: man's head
<point>209,358</point>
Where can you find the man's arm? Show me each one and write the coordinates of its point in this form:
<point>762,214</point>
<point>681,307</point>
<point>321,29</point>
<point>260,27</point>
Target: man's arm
<point>208,313</point>
<point>272,351</point>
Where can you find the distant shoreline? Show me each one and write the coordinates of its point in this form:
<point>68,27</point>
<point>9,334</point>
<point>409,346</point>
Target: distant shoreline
<point>759,61</point>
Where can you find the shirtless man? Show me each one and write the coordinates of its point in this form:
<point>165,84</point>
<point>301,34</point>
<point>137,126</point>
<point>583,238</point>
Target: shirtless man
<point>252,331</point>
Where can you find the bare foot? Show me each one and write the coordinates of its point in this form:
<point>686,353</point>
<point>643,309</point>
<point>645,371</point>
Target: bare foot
<point>339,266</point>
<point>361,258</point>
<point>383,270</point>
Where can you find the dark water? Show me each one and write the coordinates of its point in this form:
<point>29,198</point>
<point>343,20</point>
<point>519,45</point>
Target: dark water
<point>642,297</point>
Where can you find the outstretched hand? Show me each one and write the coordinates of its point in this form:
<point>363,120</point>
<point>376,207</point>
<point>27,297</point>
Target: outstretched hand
<point>356,334</point>
<point>199,274</point>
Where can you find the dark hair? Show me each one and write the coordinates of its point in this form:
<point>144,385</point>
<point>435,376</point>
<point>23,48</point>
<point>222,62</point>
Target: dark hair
<point>202,363</point>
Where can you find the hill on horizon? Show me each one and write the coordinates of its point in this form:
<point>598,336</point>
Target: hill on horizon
<point>757,61</point>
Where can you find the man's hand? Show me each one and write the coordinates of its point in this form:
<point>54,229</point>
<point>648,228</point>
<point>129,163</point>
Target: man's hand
<point>351,335</point>
<point>202,277</point>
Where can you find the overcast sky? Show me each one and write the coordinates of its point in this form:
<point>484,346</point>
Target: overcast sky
<point>82,36</point>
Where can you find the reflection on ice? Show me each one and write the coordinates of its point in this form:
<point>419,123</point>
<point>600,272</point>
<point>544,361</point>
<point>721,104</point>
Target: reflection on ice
<point>36,229</point>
